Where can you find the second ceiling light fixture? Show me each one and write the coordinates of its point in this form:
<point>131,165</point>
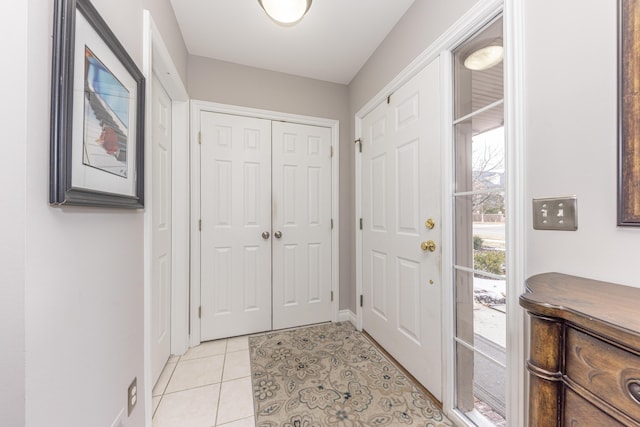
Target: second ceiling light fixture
<point>285,11</point>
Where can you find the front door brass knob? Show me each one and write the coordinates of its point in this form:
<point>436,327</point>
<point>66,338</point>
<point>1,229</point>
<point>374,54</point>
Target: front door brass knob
<point>430,224</point>
<point>429,245</point>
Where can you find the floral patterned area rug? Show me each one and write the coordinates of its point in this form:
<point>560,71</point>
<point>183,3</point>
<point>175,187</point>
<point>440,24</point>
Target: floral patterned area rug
<point>332,375</point>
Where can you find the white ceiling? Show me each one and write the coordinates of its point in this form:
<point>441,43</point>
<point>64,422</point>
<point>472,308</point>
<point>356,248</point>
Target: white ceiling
<point>331,43</point>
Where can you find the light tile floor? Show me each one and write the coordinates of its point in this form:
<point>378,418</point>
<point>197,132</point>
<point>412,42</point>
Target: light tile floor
<point>208,386</point>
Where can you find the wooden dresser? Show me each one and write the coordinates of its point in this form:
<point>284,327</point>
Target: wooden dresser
<point>584,361</point>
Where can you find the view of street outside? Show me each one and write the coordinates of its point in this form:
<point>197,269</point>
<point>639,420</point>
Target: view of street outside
<point>489,236</point>
<point>490,293</point>
<point>489,319</point>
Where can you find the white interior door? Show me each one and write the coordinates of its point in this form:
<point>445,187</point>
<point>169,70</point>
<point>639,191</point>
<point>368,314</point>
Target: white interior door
<point>235,197</point>
<point>161,231</point>
<point>400,192</point>
<point>301,224</point>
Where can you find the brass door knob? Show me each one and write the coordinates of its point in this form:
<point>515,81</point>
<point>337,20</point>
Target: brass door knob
<point>430,224</point>
<point>429,245</point>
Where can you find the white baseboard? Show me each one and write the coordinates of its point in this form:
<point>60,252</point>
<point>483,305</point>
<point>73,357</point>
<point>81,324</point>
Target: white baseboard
<point>347,316</point>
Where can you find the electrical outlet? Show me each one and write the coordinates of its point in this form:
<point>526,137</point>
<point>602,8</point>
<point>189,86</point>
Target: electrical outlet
<point>132,395</point>
<point>558,213</point>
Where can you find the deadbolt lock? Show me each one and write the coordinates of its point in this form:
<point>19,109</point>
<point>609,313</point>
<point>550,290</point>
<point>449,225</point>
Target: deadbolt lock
<point>430,224</point>
<point>429,245</point>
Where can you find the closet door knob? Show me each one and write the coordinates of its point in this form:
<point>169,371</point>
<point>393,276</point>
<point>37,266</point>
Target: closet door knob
<point>265,235</point>
<point>277,234</point>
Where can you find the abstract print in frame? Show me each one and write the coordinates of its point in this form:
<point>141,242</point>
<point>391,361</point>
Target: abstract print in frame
<point>97,113</point>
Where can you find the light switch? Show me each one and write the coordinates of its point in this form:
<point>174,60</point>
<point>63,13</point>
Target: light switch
<point>558,213</point>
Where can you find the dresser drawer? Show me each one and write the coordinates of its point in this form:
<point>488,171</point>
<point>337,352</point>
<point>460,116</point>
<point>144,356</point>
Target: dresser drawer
<point>607,371</point>
<point>580,413</point>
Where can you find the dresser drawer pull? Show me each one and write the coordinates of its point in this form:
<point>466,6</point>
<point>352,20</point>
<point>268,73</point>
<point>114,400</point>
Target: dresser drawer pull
<point>633,386</point>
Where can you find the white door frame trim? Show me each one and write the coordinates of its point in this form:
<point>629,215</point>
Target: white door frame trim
<point>156,58</point>
<point>468,24</point>
<point>518,326</point>
<point>198,107</point>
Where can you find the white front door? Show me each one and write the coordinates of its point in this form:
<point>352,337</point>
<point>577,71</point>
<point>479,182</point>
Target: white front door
<point>400,192</point>
<point>301,224</point>
<point>235,197</point>
<point>161,228</point>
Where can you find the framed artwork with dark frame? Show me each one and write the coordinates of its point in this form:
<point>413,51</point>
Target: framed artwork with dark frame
<point>629,112</point>
<point>97,113</point>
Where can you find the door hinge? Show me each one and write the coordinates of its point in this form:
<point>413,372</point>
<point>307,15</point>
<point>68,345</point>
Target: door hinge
<point>361,223</point>
<point>361,300</point>
<point>200,312</point>
<point>331,296</point>
<point>200,137</point>
<point>199,225</point>
<point>332,223</point>
<point>331,151</point>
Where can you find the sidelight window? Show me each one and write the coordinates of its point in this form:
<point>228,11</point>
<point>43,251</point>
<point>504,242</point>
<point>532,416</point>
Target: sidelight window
<point>479,269</point>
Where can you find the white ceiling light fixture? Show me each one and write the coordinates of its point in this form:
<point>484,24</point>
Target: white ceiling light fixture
<point>285,11</point>
<point>485,58</point>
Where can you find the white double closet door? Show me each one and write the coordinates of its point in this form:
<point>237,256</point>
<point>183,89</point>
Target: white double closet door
<point>266,225</point>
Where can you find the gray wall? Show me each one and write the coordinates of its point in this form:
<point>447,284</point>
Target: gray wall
<point>570,57</point>
<point>420,26</point>
<point>73,321</point>
<point>228,83</point>
<point>13,86</point>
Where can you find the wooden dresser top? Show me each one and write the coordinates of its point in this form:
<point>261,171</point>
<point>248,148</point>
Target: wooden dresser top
<point>608,309</point>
